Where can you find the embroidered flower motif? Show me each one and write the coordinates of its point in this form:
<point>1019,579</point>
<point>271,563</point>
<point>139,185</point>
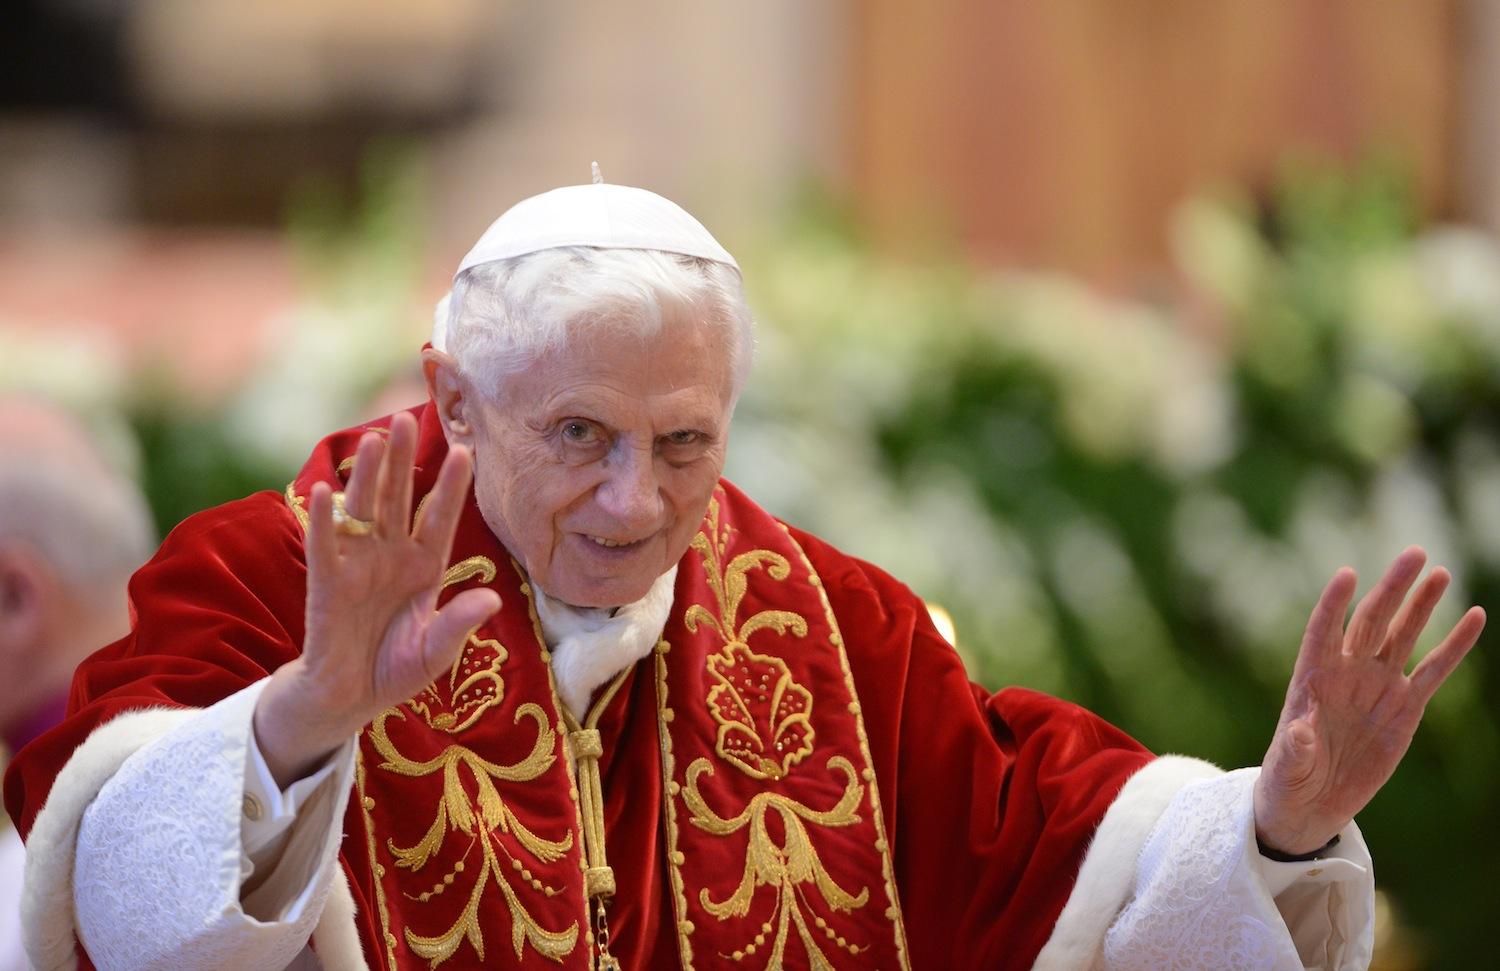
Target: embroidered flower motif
<point>474,683</point>
<point>763,714</point>
<point>473,686</point>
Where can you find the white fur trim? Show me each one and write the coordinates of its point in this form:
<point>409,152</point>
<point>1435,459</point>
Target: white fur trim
<point>47,914</point>
<point>589,647</point>
<point>1107,877</point>
<point>336,938</point>
<point>47,900</point>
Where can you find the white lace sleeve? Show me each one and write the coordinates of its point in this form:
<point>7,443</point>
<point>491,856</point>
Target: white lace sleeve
<point>1205,898</point>
<point>160,847</point>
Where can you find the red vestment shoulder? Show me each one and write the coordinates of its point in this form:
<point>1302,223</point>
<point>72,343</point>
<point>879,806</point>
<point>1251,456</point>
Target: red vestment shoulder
<point>991,799</point>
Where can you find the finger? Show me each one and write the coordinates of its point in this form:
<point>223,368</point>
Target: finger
<point>450,627</point>
<point>1443,659</point>
<point>445,503</point>
<point>393,493</point>
<point>1367,629</point>
<point>359,494</point>
<point>1325,628</point>
<point>319,547</point>
<point>1413,617</point>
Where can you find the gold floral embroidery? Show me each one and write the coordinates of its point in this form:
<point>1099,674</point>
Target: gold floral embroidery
<point>483,817</point>
<point>757,716</point>
<point>786,868</point>
<point>298,505</point>
<point>475,566</point>
<point>665,716</point>
<point>367,805</point>
<point>474,686</point>
<point>765,729</point>
<point>763,715</point>
<point>882,843</point>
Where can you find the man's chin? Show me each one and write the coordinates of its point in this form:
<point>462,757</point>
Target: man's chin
<point>601,592</point>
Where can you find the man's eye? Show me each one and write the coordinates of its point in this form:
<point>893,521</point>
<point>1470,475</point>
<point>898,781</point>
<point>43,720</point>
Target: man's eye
<point>682,438</point>
<point>580,432</point>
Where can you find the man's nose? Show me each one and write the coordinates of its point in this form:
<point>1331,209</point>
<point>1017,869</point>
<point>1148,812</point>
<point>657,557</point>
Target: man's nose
<point>631,493</point>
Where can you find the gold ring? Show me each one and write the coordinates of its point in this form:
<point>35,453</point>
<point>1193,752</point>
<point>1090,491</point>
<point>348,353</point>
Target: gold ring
<point>347,524</point>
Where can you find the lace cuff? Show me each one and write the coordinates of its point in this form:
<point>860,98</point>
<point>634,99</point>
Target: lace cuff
<point>1205,897</point>
<point>283,831</point>
<point>160,848</point>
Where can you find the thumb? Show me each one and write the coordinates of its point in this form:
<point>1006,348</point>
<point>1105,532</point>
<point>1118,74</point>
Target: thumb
<point>450,626</point>
<point>1300,750</point>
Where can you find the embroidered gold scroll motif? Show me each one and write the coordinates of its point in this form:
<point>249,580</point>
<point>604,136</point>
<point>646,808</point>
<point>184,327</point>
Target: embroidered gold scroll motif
<point>765,729</point>
<point>482,817</point>
<point>473,686</point>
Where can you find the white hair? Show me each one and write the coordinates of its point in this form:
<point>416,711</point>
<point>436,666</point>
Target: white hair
<point>501,316</point>
<point>92,526</point>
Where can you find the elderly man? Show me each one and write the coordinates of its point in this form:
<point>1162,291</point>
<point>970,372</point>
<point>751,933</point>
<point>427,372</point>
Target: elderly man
<point>603,711</point>
<point>72,529</point>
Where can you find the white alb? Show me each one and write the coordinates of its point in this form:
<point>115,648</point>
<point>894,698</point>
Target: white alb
<point>150,826</point>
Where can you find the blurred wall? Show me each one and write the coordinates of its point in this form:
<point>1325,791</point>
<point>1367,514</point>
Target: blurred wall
<point>1062,134</point>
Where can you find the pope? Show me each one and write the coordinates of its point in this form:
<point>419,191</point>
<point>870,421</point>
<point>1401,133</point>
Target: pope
<point>516,678</point>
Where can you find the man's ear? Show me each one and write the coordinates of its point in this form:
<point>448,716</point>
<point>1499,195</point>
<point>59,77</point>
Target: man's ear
<point>446,389</point>
<point>25,585</point>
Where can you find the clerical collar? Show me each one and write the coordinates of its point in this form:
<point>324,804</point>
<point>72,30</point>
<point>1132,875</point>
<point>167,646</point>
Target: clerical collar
<point>591,645</point>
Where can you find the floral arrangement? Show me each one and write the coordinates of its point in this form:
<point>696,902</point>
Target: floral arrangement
<point>1134,503</point>
<point>1128,502</point>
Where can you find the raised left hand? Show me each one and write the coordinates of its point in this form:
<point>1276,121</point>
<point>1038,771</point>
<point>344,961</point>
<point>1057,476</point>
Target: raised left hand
<point>1351,710</point>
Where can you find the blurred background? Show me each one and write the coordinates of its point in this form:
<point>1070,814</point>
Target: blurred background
<point>1112,328</point>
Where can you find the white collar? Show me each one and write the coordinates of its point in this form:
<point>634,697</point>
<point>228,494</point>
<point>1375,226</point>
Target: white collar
<point>591,646</point>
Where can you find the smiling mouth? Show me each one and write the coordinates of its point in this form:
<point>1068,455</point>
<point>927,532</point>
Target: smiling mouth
<point>613,544</point>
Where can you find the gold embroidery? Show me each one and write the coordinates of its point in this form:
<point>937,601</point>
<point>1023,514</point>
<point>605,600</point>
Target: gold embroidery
<point>475,566</point>
<point>298,505</point>
<point>483,817</point>
<point>345,465</point>
<point>475,685</point>
<point>480,689</point>
<point>474,681</point>
<point>760,710</point>
<point>366,804</point>
<point>745,687</point>
<point>558,706</point>
<point>665,716</point>
<point>882,844</point>
<point>765,729</point>
<point>786,867</point>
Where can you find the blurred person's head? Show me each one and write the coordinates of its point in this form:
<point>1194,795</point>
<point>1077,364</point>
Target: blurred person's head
<point>594,386</point>
<point>72,530</point>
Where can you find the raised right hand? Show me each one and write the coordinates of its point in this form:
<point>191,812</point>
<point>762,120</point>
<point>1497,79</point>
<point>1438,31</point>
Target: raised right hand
<point>373,638</point>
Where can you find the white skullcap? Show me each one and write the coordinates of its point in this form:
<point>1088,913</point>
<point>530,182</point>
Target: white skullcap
<point>602,215</point>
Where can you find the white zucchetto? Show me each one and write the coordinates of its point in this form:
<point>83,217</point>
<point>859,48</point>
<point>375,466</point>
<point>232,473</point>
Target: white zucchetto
<point>602,215</point>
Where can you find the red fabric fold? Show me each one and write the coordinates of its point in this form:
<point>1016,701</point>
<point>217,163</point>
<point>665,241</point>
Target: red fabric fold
<point>989,799</point>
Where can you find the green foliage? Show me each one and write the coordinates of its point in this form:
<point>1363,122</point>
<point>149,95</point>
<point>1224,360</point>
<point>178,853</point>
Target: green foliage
<point>1135,506</point>
<point>1129,504</point>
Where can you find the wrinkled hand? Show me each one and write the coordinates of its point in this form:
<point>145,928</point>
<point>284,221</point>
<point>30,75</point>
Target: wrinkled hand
<point>373,637</point>
<point>1351,710</point>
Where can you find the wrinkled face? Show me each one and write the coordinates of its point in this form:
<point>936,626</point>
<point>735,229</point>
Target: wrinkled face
<point>594,466</point>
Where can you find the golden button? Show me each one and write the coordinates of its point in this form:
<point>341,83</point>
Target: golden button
<point>1315,871</point>
<point>252,808</point>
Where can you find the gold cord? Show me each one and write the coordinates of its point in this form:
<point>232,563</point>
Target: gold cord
<point>586,745</point>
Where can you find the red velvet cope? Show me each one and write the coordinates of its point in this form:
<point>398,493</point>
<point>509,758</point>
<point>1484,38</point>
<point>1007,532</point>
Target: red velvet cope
<point>989,800</point>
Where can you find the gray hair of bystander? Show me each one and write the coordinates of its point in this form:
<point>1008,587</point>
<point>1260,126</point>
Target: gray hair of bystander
<point>61,497</point>
<point>502,315</point>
